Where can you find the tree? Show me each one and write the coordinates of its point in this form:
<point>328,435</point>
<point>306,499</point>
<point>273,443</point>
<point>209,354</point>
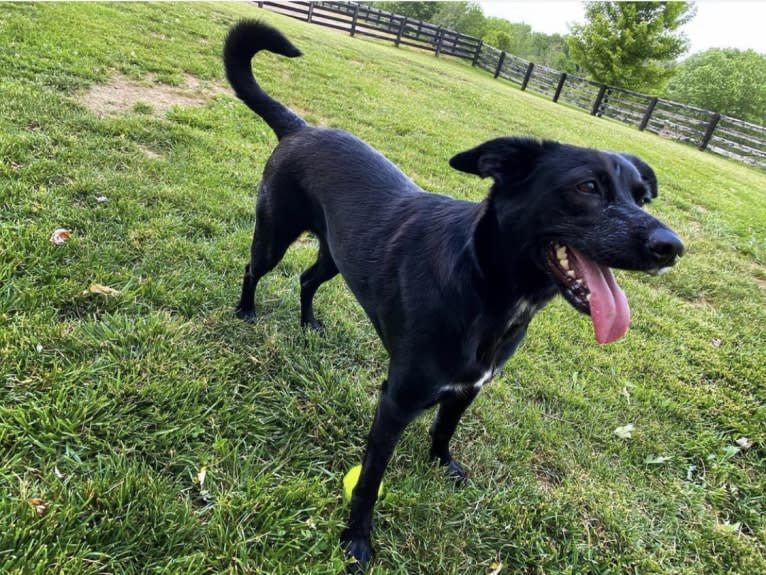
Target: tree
<point>630,44</point>
<point>516,37</point>
<point>465,17</point>
<point>498,39</point>
<point>551,50</point>
<point>728,81</point>
<point>418,10</point>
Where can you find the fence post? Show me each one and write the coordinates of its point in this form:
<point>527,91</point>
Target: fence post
<point>500,61</point>
<point>401,30</point>
<point>599,98</point>
<point>311,12</point>
<point>648,114</point>
<point>439,36</point>
<point>391,23</point>
<point>709,131</point>
<point>477,54</point>
<point>562,79</point>
<point>527,76</point>
<point>353,20</point>
<point>604,102</point>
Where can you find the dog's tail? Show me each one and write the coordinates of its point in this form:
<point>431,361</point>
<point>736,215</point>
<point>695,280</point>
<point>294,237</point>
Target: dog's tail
<point>246,39</point>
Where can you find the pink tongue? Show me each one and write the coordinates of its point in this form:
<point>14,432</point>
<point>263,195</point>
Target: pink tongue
<point>609,309</point>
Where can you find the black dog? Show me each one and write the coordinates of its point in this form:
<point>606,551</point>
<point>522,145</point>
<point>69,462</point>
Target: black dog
<point>450,286</point>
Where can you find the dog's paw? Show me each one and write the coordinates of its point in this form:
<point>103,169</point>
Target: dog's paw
<point>245,315</point>
<point>314,325</point>
<point>455,471</point>
<point>358,549</point>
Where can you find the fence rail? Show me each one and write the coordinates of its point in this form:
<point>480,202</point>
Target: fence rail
<point>722,135</point>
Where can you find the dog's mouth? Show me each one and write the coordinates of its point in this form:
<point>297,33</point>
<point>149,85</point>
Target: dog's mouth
<point>591,289</point>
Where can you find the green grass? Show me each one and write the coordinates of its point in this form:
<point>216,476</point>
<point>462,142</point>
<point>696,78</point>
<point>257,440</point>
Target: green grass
<point>110,406</point>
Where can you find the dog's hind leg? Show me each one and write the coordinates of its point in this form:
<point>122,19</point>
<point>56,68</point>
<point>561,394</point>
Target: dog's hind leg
<point>275,230</point>
<point>443,428</point>
<point>324,269</point>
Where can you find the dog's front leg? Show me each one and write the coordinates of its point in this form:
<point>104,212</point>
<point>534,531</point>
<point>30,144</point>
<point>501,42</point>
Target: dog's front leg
<point>390,420</point>
<point>451,410</point>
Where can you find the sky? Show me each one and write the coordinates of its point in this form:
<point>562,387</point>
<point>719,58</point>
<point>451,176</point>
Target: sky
<point>718,23</point>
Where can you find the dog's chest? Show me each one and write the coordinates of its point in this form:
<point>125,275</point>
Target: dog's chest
<point>496,350</point>
<point>492,348</point>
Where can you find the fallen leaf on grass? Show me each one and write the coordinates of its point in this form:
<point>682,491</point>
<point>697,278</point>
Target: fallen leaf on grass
<point>60,236</point>
<point>496,568</point>
<point>744,443</point>
<point>41,507</point>
<point>101,289</point>
<point>199,480</point>
<point>201,475</point>
<point>716,342</point>
<point>657,460</point>
<point>625,432</point>
<point>731,528</point>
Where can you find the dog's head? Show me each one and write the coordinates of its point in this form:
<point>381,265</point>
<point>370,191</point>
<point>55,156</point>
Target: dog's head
<point>577,212</point>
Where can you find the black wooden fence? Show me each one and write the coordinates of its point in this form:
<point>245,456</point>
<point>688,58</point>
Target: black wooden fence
<point>723,135</point>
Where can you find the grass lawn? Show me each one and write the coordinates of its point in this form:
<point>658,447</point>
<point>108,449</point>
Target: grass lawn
<point>149,431</point>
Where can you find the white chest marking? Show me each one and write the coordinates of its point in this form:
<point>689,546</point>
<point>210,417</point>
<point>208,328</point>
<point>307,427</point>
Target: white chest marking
<point>477,385</point>
<point>483,379</point>
<point>522,308</point>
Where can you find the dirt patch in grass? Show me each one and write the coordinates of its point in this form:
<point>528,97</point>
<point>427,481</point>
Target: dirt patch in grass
<point>701,301</point>
<point>759,275</point>
<point>121,94</point>
<point>149,153</point>
<point>548,472</point>
<point>548,478</point>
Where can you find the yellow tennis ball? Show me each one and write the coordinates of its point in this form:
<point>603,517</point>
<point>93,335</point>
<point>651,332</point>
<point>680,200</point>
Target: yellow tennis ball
<point>350,480</point>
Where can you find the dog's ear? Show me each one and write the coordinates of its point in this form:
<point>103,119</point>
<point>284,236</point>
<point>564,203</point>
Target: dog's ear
<point>500,159</point>
<point>648,177</point>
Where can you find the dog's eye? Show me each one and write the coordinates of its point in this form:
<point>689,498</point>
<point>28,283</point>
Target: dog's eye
<point>588,187</point>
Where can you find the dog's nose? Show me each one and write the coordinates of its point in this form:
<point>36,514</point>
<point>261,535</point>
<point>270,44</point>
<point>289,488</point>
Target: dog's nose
<point>664,246</point>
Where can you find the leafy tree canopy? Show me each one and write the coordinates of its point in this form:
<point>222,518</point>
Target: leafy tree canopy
<point>517,38</point>
<point>467,17</point>
<point>418,10</point>
<point>631,44</point>
<point>729,81</point>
